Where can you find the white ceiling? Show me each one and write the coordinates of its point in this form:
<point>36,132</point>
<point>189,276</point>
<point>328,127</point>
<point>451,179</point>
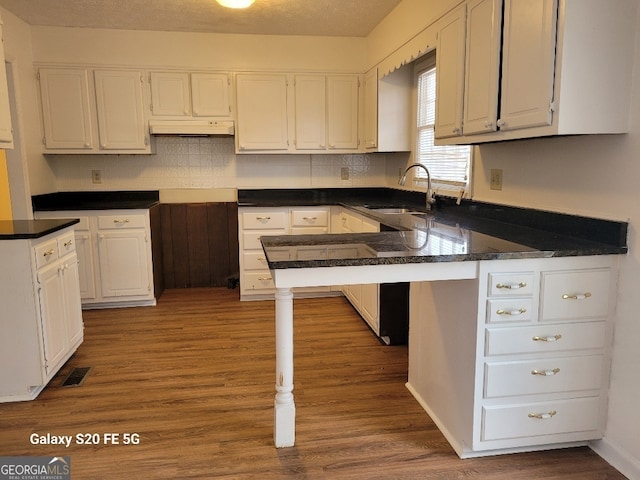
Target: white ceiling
<point>279,17</point>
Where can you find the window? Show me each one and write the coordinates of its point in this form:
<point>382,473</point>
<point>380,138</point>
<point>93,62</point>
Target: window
<point>449,165</point>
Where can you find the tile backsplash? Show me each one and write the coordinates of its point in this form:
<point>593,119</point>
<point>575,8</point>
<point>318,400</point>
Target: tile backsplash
<point>211,162</point>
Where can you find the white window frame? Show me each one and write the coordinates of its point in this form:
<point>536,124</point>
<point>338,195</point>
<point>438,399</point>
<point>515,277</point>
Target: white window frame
<point>441,187</point>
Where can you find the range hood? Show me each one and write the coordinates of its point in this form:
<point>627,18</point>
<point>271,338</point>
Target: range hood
<point>191,127</point>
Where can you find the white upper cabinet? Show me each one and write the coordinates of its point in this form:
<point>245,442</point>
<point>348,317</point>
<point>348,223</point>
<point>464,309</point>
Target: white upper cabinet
<point>311,112</point>
<point>184,94</point>
<point>66,108</point>
<point>210,94</point>
<point>262,112</point>
<point>322,115</point>
<point>121,122</point>
<point>450,74</point>
<point>536,68</point>
<point>342,112</point>
<point>484,37</point>
<point>6,131</point>
<point>170,94</point>
<point>326,112</point>
<point>86,111</point>
<point>387,107</point>
<point>528,64</point>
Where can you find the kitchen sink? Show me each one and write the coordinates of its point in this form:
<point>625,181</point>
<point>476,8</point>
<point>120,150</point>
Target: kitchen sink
<point>396,211</point>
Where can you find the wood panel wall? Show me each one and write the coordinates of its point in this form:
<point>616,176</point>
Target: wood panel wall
<point>200,244</point>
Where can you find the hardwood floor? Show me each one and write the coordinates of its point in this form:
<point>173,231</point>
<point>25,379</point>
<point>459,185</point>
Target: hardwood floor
<point>194,378</point>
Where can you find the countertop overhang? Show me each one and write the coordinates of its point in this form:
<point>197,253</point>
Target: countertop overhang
<point>96,200</point>
<point>31,229</point>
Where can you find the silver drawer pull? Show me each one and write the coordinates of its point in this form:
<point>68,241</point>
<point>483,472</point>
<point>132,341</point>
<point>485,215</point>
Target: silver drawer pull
<point>48,253</point>
<point>553,338</point>
<point>543,416</point>
<point>68,243</point>
<point>512,286</point>
<point>546,373</point>
<point>120,222</point>
<point>511,312</point>
<point>579,296</point>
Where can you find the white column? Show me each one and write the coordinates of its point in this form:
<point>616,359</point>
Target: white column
<point>284,432</point>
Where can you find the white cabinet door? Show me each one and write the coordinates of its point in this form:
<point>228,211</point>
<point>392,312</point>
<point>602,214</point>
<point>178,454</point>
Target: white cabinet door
<point>371,110</point>
<point>124,269</point>
<point>342,111</point>
<point>170,93</point>
<point>73,312</point>
<point>482,69</point>
<point>311,117</point>
<point>6,131</point>
<point>528,60</point>
<point>210,94</point>
<point>450,61</point>
<point>66,111</point>
<point>86,276</point>
<point>262,112</point>
<point>51,297</point>
<point>120,110</point>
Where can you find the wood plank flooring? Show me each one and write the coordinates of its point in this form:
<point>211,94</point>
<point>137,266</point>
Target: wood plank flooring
<point>194,378</point>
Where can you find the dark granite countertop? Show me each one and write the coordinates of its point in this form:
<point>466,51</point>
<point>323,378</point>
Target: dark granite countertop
<point>467,232</point>
<point>27,229</point>
<point>108,200</point>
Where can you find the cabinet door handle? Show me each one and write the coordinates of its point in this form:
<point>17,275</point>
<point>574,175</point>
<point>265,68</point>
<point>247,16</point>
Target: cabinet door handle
<point>48,253</point>
<point>310,219</point>
<point>511,312</point>
<point>456,131</point>
<point>68,243</point>
<point>553,338</point>
<point>579,296</point>
<point>543,416</point>
<point>265,279</point>
<point>511,286</point>
<point>546,373</point>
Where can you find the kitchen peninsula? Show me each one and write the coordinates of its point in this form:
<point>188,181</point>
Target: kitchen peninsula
<point>506,308</point>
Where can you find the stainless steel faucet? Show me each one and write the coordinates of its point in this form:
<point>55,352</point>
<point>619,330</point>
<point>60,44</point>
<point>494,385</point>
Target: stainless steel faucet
<point>430,198</point>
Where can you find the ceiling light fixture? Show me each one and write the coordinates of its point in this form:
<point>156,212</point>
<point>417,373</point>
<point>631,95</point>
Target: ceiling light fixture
<point>236,3</point>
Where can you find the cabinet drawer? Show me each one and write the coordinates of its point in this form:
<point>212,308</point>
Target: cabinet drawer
<point>254,261</point>
<point>258,281</point>
<point>543,418</point>
<point>106,222</point>
<point>575,295</point>
<point>46,253</point>
<point>513,283</point>
<point>83,224</point>
<point>546,375</point>
<point>66,243</point>
<point>509,310</point>
<point>251,239</point>
<point>545,338</point>
<point>309,218</point>
<point>264,220</point>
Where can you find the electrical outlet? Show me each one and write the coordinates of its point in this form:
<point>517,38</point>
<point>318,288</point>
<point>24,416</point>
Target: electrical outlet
<point>344,173</point>
<point>96,176</point>
<point>496,179</point>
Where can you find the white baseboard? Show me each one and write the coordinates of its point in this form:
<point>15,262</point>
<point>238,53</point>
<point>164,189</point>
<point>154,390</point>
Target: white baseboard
<point>617,457</point>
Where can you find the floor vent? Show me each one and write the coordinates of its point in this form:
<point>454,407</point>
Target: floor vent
<point>76,377</point>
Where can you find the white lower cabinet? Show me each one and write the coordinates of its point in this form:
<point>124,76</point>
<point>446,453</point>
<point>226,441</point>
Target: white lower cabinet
<point>115,259</point>
<point>535,372</point>
<point>253,222</point>
<point>42,323</point>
